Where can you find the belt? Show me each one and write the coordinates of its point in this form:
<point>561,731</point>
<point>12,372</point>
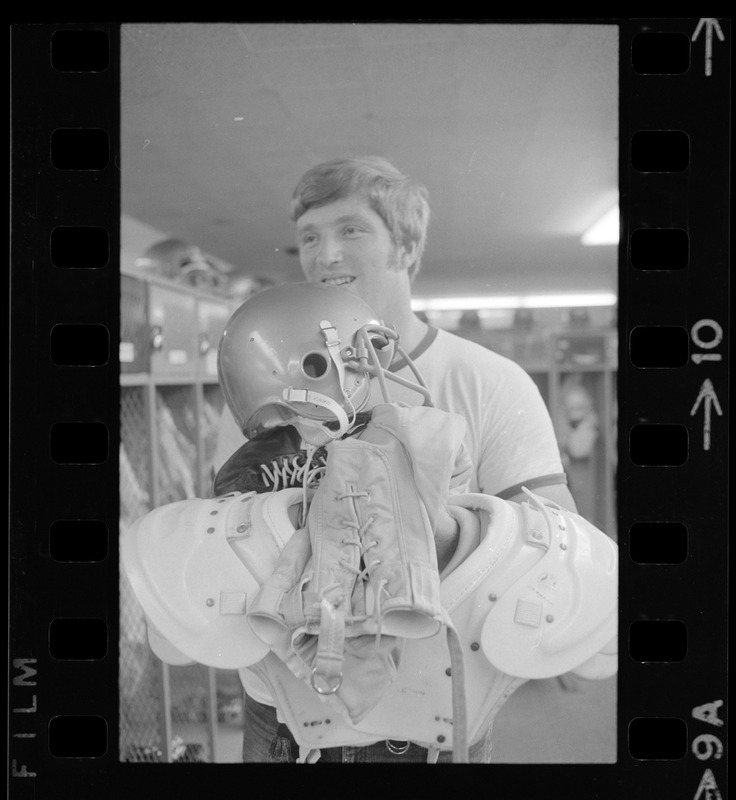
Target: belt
<point>394,746</point>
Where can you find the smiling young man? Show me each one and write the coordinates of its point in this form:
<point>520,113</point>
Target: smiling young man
<point>346,243</point>
<point>362,225</point>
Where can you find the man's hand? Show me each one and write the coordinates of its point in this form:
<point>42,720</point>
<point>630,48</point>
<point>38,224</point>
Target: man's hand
<point>433,441</point>
<point>446,537</point>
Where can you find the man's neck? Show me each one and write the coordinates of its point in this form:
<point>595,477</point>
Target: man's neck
<point>410,328</point>
<point>417,330</point>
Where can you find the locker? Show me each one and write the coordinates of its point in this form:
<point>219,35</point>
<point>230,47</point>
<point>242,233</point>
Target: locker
<point>135,340</point>
<point>170,404</point>
<point>212,316</point>
<point>172,320</point>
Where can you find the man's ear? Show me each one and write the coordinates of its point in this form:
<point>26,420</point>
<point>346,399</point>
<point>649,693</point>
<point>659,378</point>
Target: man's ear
<point>407,255</point>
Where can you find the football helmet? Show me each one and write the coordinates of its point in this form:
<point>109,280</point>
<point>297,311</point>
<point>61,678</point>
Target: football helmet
<point>304,354</point>
<point>183,262</point>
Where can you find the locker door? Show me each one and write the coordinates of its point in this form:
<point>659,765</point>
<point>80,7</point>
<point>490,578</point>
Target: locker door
<point>172,317</point>
<point>212,317</point>
<point>135,339</point>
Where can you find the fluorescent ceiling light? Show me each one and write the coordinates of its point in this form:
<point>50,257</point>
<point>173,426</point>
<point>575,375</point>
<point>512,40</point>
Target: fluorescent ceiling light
<point>514,301</point>
<point>605,230</point>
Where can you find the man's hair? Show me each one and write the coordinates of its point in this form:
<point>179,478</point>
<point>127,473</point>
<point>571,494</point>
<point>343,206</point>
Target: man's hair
<point>400,202</point>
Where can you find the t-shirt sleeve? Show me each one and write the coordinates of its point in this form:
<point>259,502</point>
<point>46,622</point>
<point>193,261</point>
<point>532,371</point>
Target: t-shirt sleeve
<point>519,445</point>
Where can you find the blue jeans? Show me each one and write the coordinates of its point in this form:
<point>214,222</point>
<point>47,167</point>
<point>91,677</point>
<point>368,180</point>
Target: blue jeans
<point>265,740</point>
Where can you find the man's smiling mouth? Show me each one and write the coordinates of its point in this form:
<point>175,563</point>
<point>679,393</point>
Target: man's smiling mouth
<point>340,280</point>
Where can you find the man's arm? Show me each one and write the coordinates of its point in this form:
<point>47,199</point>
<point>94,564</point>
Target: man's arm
<point>447,532</point>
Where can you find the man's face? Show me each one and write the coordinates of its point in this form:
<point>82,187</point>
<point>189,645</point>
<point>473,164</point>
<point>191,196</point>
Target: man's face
<point>347,244</point>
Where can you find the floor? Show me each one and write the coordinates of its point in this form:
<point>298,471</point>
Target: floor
<point>546,722</point>
<point>229,745</point>
<point>542,722</point>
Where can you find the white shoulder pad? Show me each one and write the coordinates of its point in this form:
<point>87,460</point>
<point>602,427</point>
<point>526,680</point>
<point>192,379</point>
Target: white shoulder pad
<point>564,609</point>
<point>604,664</point>
<point>163,648</point>
<point>196,565</point>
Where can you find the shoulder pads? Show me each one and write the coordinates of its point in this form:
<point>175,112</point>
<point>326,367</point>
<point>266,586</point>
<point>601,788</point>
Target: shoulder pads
<point>163,648</point>
<point>564,609</point>
<point>196,565</point>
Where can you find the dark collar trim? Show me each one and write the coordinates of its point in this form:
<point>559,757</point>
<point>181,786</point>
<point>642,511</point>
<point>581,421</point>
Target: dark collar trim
<point>426,341</point>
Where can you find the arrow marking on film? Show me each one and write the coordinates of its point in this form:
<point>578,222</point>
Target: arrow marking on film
<point>710,24</point>
<point>698,357</point>
<point>707,396</point>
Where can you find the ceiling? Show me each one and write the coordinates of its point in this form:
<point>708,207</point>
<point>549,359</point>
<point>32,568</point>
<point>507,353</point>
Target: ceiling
<point>513,128</point>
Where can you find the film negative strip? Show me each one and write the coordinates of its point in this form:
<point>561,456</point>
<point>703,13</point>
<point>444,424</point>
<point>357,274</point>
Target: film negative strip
<point>672,489</point>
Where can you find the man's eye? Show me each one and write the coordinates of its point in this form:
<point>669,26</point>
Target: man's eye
<point>308,238</point>
<point>350,230</point>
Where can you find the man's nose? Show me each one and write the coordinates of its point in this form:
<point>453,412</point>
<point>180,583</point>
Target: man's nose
<point>330,252</point>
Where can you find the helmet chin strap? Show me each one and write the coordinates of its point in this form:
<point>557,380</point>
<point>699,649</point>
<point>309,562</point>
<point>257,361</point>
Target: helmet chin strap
<point>333,348</point>
<point>314,431</point>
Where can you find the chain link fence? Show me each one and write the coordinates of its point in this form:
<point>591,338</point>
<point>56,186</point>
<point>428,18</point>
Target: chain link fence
<point>176,443</point>
<point>167,713</point>
<point>140,679</point>
<point>212,404</point>
<point>168,437</point>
